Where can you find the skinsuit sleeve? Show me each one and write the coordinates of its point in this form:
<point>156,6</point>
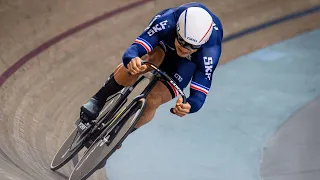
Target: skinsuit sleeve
<point>207,60</point>
<point>150,38</point>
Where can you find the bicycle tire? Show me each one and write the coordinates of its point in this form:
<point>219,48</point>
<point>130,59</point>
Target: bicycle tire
<point>99,152</point>
<point>63,155</point>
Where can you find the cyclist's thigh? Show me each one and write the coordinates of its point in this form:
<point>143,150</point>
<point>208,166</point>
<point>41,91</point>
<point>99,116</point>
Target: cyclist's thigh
<point>160,94</point>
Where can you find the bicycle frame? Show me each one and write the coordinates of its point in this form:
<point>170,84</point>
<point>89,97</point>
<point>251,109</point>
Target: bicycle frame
<point>154,76</point>
<point>154,79</point>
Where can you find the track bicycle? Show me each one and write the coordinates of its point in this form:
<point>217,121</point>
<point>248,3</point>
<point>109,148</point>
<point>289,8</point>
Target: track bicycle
<point>120,126</point>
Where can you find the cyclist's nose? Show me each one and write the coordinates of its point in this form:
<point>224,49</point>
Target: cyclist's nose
<point>184,50</point>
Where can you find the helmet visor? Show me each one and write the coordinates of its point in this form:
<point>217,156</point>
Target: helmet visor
<point>185,44</point>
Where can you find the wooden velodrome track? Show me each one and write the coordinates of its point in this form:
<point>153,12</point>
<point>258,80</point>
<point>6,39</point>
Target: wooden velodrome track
<point>41,94</point>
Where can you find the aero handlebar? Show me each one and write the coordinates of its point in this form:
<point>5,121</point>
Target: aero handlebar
<point>168,79</point>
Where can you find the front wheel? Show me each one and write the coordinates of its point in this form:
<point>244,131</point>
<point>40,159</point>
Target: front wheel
<point>76,140</point>
<point>101,149</point>
<point>65,153</point>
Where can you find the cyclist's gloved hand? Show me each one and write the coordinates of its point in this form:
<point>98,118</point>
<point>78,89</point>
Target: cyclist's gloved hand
<point>135,67</point>
<point>181,109</point>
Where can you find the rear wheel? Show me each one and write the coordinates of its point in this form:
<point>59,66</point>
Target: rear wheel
<point>78,137</point>
<point>104,146</point>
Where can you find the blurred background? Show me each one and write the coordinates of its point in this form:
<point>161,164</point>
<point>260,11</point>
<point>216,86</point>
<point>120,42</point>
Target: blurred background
<point>259,121</point>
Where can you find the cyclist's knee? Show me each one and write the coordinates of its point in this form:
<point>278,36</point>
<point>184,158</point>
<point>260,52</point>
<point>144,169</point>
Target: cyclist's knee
<point>153,101</point>
<point>122,77</point>
<point>156,56</point>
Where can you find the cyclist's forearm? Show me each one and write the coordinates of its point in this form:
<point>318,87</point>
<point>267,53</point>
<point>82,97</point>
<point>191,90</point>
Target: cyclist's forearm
<point>131,52</point>
<point>196,101</point>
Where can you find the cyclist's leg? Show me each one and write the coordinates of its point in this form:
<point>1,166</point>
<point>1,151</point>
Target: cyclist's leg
<point>160,94</point>
<point>116,81</point>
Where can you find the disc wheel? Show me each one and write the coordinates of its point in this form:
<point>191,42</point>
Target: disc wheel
<point>103,147</point>
<point>75,141</point>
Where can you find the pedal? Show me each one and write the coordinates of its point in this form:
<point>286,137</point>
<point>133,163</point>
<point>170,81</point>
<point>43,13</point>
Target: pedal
<point>82,125</point>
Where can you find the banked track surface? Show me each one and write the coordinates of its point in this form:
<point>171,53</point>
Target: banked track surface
<point>40,101</point>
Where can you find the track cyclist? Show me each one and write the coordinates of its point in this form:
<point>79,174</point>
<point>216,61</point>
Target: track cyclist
<point>183,41</point>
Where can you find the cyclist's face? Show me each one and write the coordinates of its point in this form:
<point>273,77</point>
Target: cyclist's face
<point>181,51</point>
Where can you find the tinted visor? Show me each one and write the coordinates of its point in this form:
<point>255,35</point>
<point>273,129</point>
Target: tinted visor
<point>186,45</point>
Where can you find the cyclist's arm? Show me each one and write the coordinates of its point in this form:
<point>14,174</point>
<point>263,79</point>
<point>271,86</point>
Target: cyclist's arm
<point>207,61</point>
<point>149,39</point>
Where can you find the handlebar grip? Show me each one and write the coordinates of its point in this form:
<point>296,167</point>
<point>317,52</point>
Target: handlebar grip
<point>143,62</point>
<point>184,102</point>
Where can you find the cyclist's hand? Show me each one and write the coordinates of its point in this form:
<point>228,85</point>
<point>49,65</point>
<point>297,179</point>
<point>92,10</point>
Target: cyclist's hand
<point>181,109</point>
<point>135,66</point>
